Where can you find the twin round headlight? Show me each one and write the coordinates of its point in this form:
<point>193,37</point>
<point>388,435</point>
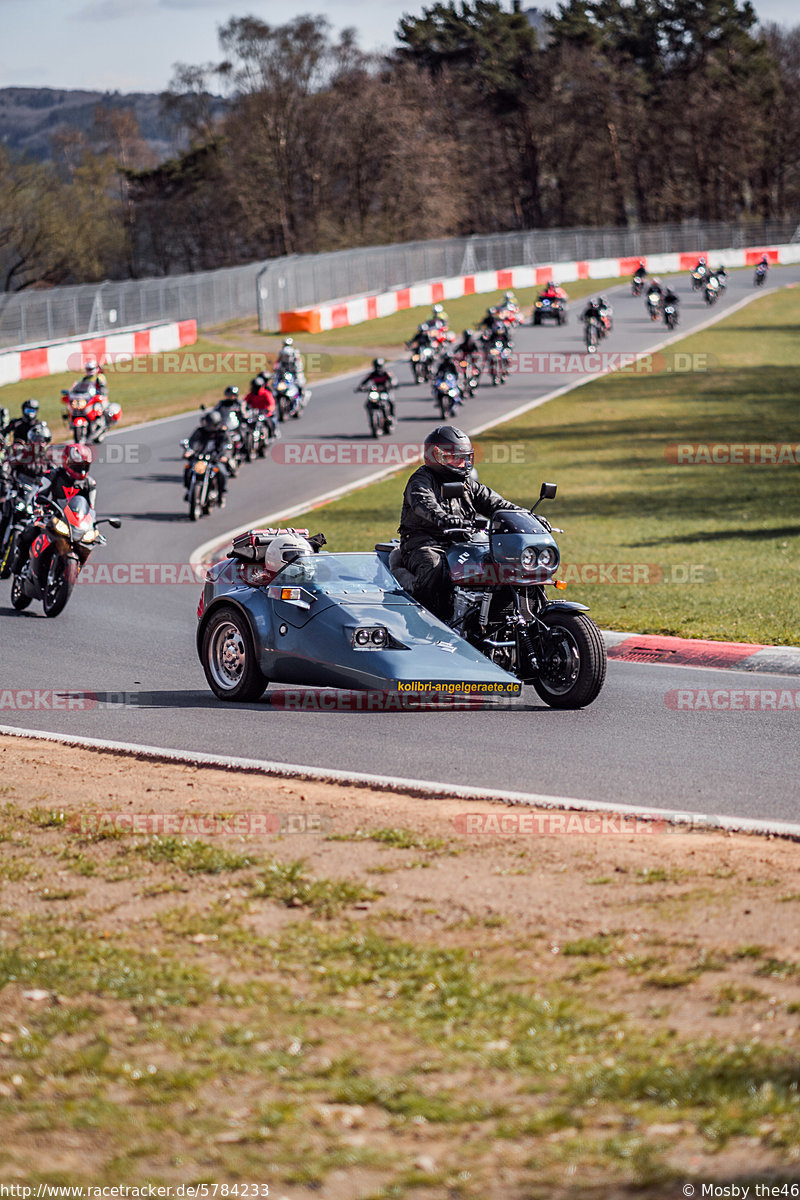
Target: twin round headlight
<point>531,558</point>
<point>370,637</point>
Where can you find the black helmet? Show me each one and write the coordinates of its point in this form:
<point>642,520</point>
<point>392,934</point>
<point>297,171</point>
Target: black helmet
<point>39,434</point>
<point>213,419</point>
<point>231,393</point>
<point>30,408</point>
<point>378,364</point>
<point>449,452</point>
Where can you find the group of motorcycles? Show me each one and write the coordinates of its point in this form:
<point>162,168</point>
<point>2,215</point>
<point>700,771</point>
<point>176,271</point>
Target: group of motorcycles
<point>61,534</point>
<point>455,377</point>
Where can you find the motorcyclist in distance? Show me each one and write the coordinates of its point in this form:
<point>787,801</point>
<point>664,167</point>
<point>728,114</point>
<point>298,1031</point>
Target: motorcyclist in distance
<point>290,359</point>
<point>260,399</point>
<point>21,426</point>
<point>381,379</point>
<point>427,517</point>
<point>210,437</point>
<point>467,346</point>
<point>93,374</point>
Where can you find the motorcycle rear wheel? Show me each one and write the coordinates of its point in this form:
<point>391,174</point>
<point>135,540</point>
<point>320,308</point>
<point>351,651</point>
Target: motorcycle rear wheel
<point>573,661</point>
<point>229,658</point>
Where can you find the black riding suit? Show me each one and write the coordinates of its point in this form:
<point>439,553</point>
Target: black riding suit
<point>424,518</point>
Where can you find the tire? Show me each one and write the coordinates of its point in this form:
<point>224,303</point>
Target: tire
<point>537,320</point>
<point>591,338</point>
<point>229,658</point>
<point>60,579</point>
<point>194,502</point>
<point>18,598</point>
<point>7,554</point>
<point>442,408</point>
<point>374,423</point>
<point>572,662</point>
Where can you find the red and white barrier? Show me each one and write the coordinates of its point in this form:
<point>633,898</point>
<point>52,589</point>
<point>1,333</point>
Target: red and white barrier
<point>53,358</point>
<point>335,314</point>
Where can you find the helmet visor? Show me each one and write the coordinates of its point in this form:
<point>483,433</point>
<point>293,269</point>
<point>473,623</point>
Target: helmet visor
<point>454,458</point>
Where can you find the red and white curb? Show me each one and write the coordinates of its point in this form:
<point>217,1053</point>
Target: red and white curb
<point>698,652</point>
<point>677,818</point>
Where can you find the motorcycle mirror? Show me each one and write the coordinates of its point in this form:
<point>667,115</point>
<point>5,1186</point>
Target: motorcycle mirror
<point>202,408</point>
<point>452,491</point>
<point>547,492</point>
<point>114,522</point>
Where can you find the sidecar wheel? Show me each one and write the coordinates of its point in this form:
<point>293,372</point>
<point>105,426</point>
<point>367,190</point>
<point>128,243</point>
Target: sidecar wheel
<point>572,660</point>
<point>229,658</point>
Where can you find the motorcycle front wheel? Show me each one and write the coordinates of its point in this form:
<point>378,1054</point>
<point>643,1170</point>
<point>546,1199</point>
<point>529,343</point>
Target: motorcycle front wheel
<point>7,549</point>
<point>18,598</point>
<point>59,582</point>
<point>572,660</point>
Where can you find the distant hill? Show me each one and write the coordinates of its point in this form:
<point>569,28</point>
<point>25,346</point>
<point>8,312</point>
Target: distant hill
<point>30,116</point>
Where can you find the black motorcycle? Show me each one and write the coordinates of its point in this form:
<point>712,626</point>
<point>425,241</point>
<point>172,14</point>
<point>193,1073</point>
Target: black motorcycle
<point>499,570</point>
<point>592,333</point>
<point>66,535</point>
<point>15,515</point>
<point>760,277</point>
<point>670,312</point>
<point>637,285</point>
<point>203,483</point>
<point>379,410</point>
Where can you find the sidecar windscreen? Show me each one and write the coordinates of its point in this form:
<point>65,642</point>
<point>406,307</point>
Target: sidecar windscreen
<point>340,575</point>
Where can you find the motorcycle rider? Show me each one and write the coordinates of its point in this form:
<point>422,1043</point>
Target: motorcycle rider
<point>92,374</point>
<point>421,339</point>
<point>290,359</point>
<point>467,346</point>
<point>260,400</point>
<point>21,426</point>
<point>595,309</point>
<point>669,297</point>
<point>700,267</point>
<point>438,317</point>
<point>61,484</point>
<point>381,379</point>
<point>606,312</point>
<point>654,289</point>
<point>426,517</point>
<point>210,437</point>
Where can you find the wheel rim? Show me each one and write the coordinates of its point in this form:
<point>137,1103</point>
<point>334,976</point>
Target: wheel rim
<point>227,657</point>
<point>561,660</point>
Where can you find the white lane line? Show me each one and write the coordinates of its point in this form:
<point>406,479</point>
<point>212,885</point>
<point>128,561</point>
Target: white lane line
<point>284,514</point>
<point>417,787</point>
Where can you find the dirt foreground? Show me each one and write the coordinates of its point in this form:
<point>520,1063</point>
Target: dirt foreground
<point>334,991</point>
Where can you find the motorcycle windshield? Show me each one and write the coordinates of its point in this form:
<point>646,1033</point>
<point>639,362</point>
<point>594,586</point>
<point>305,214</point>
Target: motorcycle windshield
<point>78,514</point>
<point>340,576</point>
<point>515,521</point>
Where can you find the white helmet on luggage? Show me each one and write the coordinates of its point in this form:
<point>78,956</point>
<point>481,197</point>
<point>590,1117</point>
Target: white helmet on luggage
<point>284,549</point>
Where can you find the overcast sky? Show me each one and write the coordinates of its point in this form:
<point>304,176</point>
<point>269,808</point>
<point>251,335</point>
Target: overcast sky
<point>130,45</point>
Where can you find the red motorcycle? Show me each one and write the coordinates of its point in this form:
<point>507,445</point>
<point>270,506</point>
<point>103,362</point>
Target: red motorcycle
<point>88,413</point>
<point>66,535</point>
